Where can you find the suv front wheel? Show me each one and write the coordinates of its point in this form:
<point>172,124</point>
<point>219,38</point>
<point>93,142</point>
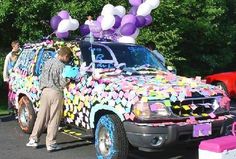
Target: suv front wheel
<point>26,115</point>
<point>110,138</point>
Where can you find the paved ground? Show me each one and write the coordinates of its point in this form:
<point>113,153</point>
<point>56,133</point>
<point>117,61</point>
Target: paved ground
<point>13,140</point>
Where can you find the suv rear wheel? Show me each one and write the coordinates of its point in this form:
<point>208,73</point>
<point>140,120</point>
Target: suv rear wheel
<point>110,138</point>
<point>26,115</point>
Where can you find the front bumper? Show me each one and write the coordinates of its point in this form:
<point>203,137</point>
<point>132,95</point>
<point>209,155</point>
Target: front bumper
<point>149,138</point>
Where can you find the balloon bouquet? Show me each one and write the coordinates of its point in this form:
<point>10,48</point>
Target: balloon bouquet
<point>62,23</point>
<point>115,24</point>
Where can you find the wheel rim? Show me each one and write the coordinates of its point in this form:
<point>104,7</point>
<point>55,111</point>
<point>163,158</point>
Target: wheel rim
<point>24,116</point>
<point>104,141</point>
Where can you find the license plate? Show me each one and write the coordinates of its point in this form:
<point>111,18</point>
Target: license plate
<point>202,130</point>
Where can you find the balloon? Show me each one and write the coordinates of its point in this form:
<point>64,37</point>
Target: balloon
<point>126,39</point>
<point>144,9</point>
<point>99,19</point>
<point>84,29</point>
<point>95,27</point>
<point>135,2</point>
<point>133,10</point>
<point>64,14</point>
<point>148,19</point>
<point>129,18</point>
<point>55,20</point>
<point>140,21</point>
<point>120,11</point>
<point>117,22</point>
<point>74,24</point>
<point>62,35</point>
<point>97,35</point>
<point>135,34</point>
<point>128,29</point>
<point>108,22</point>
<point>108,9</point>
<point>153,3</point>
<point>64,26</point>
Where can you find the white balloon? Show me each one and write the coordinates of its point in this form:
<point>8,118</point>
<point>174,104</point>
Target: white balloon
<point>126,39</point>
<point>135,34</point>
<point>74,24</point>
<point>64,26</point>
<point>153,3</point>
<point>108,9</point>
<point>108,22</point>
<point>120,11</point>
<point>144,9</point>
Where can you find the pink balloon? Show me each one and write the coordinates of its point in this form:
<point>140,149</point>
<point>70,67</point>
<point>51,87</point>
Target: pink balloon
<point>64,14</point>
<point>99,19</point>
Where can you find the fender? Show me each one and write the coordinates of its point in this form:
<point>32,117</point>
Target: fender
<point>31,98</point>
<point>99,107</point>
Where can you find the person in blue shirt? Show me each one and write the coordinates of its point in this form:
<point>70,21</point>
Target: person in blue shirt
<point>152,47</point>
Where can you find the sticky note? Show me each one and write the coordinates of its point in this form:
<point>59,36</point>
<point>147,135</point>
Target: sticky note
<point>167,103</point>
<point>154,107</point>
<point>144,99</point>
<point>186,107</point>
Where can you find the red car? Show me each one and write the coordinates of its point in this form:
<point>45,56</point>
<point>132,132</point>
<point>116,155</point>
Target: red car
<point>226,80</point>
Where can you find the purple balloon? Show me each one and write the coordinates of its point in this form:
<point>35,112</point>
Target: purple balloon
<point>64,14</point>
<point>55,20</point>
<point>128,29</point>
<point>99,19</point>
<point>140,21</point>
<point>133,10</point>
<point>129,18</point>
<point>135,2</point>
<point>62,35</point>
<point>84,29</point>
<point>95,27</point>
<point>148,19</point>
<point>117,22</point>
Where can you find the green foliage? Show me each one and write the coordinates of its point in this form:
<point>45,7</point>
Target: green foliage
<point>196,36</point>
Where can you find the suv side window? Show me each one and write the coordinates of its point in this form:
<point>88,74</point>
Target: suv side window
<point>43,56</point>
<point>101,54</point>
<point>25,60</point>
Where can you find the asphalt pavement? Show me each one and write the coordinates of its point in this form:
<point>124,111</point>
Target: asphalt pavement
<point>13,140</point>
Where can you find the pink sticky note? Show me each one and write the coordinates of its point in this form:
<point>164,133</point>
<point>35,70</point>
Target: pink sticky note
<point>154,107</point>
<point>212,115</point>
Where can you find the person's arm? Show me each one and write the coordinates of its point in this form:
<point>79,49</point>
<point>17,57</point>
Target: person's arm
<point>5,69</point>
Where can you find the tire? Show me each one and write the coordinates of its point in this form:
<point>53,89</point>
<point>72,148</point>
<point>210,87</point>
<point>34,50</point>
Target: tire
<point>110,127</point>
<point>26,115</point>
<point>223,86</point>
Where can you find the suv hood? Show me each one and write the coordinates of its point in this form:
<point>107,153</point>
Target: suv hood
<point>162,86</point>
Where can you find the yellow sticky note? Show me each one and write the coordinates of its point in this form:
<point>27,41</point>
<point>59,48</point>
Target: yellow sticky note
<point>144,99</point>
<point>176,107</point>
<point>185,114</point>
<point>186,107</point>
<point>204,114</point>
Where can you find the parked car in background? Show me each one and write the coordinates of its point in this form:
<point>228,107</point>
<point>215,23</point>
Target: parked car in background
<point>225,80</point>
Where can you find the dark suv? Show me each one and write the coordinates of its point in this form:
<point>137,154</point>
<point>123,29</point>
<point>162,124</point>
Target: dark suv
<point>123,96</point>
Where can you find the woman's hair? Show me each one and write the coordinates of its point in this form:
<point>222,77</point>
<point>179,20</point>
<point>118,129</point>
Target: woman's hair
<point>65,51</point>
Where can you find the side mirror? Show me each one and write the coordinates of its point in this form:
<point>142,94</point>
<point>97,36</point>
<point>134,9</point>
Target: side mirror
<point>171,69</point>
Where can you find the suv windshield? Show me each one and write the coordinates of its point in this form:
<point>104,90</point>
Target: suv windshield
<point>132,55</point>
<point>136,56</point>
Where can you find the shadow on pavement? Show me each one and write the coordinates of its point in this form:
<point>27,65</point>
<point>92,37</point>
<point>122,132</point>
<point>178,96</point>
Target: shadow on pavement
<point>7,118</point>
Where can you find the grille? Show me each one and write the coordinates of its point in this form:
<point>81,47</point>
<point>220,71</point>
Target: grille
<point>198,107</point>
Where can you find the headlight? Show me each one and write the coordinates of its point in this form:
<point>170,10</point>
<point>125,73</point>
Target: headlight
<point>150,111</point>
